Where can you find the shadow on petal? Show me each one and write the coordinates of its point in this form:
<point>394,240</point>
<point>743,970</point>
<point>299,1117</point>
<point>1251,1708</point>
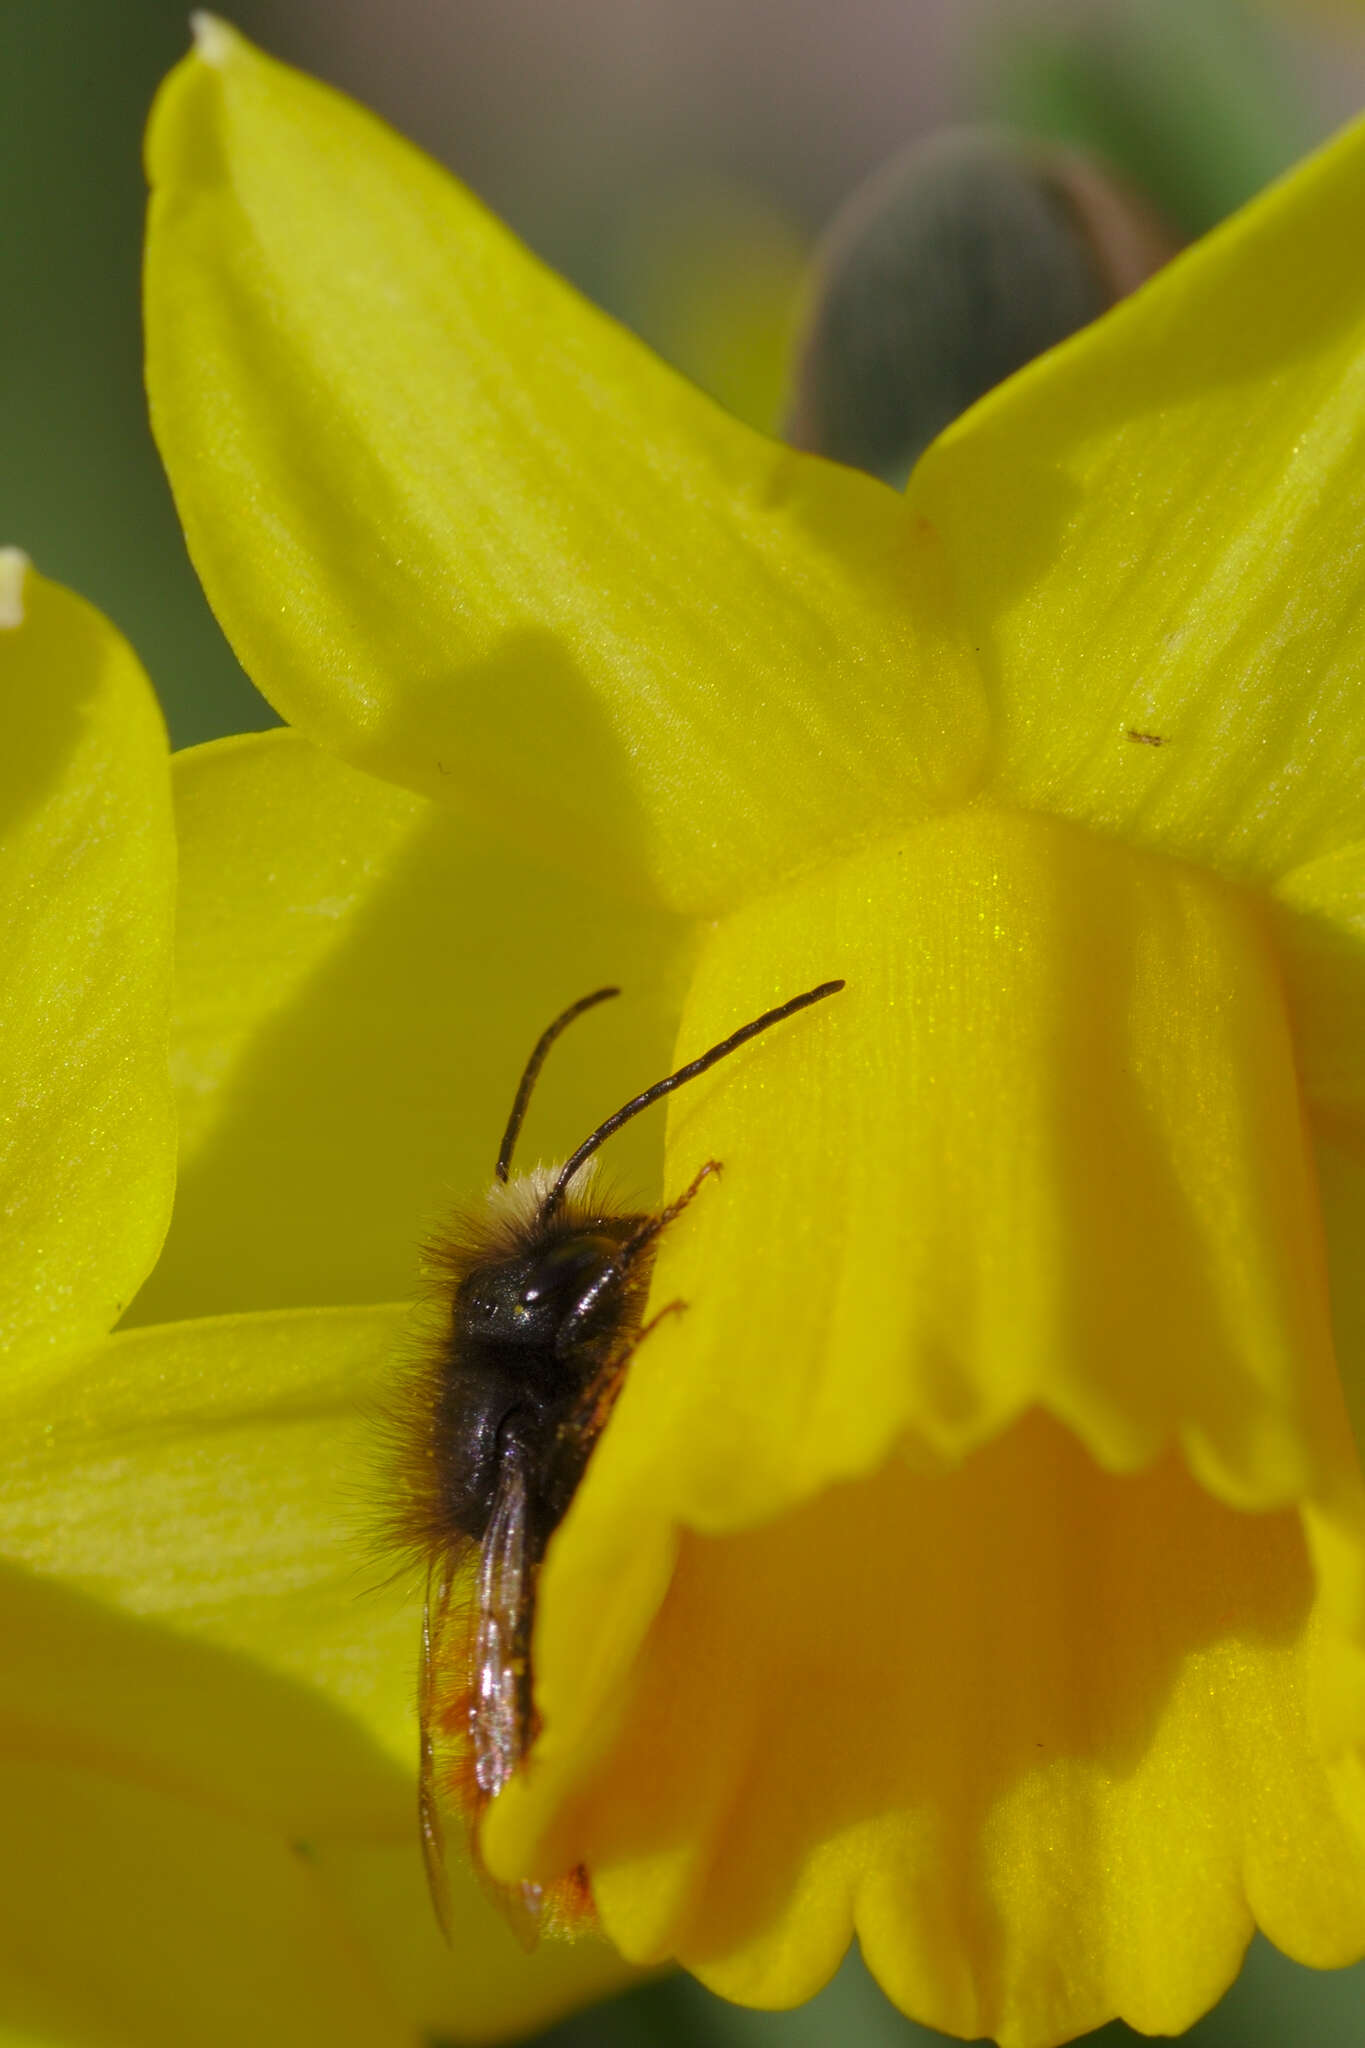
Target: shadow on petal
<point>957,1710</point>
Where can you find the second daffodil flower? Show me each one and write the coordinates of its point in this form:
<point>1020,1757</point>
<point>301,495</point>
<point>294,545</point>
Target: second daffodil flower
<point>978,1565</point>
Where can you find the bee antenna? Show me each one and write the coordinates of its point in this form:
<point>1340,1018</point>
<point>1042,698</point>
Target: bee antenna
<point>666,1087</point>
<point>533,1067</point>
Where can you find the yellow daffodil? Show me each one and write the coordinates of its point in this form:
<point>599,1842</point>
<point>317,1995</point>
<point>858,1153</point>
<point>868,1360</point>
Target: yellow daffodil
<point>979,1564</point>
<point>193,1847</point>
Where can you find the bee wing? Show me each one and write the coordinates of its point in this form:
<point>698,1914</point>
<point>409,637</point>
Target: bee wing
<point>436,1618</point>
<point>501,1710</point>
<point>475,1710</point>
<point>501,1716</point>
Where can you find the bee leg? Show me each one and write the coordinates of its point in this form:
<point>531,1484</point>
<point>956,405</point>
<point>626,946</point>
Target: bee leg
<point>599,1397</point>
<point>670,1308</point>
<point>584,1309</point>
<point>649,1230</point>
<point>593,1412</point>
<point>654,1225</point>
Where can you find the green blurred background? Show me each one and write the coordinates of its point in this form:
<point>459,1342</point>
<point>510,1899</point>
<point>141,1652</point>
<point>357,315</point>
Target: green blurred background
<point>677,158</point>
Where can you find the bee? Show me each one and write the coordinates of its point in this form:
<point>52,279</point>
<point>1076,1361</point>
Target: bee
<point>541,1302</point>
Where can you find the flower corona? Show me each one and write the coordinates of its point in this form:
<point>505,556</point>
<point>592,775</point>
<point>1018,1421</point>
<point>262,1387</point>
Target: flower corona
<point>543,1308</point>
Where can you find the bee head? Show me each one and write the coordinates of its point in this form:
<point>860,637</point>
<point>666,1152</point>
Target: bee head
<point>526,1301</point>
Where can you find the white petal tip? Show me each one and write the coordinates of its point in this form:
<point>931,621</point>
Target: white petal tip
<point>14,567</point>
<point>213,39</point>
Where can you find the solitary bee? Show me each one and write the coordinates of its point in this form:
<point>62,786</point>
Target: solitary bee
<point>542,1301</point>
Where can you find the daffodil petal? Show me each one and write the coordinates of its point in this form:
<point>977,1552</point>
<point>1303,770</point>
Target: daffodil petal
<point>144,1701</point>
<point>223,1479</point>
<point>1154,533</point>
<point>1341,1175</point>
<point>86,873</point>
<point>469,534</point>
<point>129,1916</point>
<point>210,1747</point>
<point>1066,1798</point>
<point>1320,920</point>
<point>360,976</point>
<point>484,1987</point>
<point>206,1623</point>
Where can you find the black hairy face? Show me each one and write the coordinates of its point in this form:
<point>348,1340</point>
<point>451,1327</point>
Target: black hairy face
<point>528,1333</point>
<point>542,1303</point>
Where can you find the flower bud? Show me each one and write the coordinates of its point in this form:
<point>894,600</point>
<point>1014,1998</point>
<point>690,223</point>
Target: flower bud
<point>957,263</point>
